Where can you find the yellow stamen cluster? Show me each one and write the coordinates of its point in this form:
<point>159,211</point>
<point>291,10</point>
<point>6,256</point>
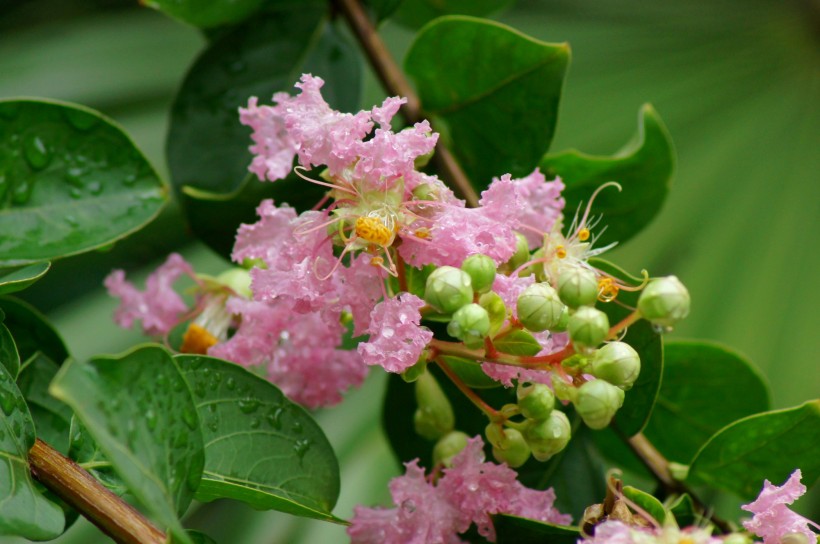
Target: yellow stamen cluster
<point>197,340</point>
<point>373,230</point>
<point>561,252</point>
<point>607,289</point>
<point>583,234</point>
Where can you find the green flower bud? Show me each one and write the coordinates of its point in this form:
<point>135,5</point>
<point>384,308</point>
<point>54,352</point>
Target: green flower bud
<point>539,307</point>
<point>521,255</point>
<point>481,270</point>
<point>563,321</point>
<point>535,400</point>
<point>448,289</point>
<point>796,538</point>
<point>512,449</point>
<point>494,433</point>
<point>664,302</point>
<point>496,309</point>
<point>588,327</point>
<point>237,279</point>
<point>577,286</point>
<point>470,324</point>
<point>434,416</point>
<point>548,437</point>
<point>448,446</point>
<point>563,391</point>
<point>618,364</point>
<point>597,401</point>
<point>738,538</point>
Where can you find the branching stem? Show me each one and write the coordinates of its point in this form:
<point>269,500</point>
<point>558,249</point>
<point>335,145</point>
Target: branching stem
<point>488,410</point>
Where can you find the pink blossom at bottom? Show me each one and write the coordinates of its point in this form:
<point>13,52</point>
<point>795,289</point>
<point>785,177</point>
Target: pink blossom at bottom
<point>396,337</point>
<point>772,518</point>
<point>616,532</point>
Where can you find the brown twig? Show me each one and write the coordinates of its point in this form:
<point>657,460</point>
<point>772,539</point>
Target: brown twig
<point>84,493</point>
<point>394,82</point>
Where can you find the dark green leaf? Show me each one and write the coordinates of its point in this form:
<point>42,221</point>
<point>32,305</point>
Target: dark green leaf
<point>416,13</point>
<point>382,9</point>
<point>649,503</point>
<point>52,418</point>
<point>70,181</point>
<point>517,342</point>
<point>200,538</point>
<point>764,446</point>
<point>206,13</point>
<point>31,331</point>
<point>643,168</point>
<point>140,411</point>
<point>23,509</point>
<point>515,530</point>
<point>9,358</point>
<point>500,108</point>
<point>86,452</point>
<point>470,373</point>
<point>17,279</point>
<point>696,397</point>
<point>683,508</point>
<point>260,448</point>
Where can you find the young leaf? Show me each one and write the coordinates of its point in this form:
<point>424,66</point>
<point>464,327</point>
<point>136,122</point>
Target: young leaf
<point>516,530</point>
<point>31,331</point>
<point>260,448</point>
<point>17,279</point>
<point>206,13</point>
<point>643,168</point>
<point>52,418</point>
<point>488,107</point>
<point>648,502</point>
<point>76,168</point>
<point>517,342</point>
<point>24,511</point>
<point>695,399</point>
<point>683,508</point>
<point>141,413</point>
<point>470,373</point>
<point>769,446</point>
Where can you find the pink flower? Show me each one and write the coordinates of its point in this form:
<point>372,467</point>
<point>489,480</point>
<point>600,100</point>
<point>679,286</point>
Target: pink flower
<point>273,149</point>
<point>616,532</point>
<point>391,155</point>
<point>263,239</point>
<point>772,519</point>
<point>396,336</point>
<point>159,306</point>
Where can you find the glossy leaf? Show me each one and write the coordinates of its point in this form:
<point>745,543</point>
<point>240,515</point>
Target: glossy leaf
<point>649,503</point>
<point>683,508</point>
<point>643,167</point>
<point>31,331</point>
<point>764,446</point>
<point>52,418</point>
<point>17,279</point>
<point>517,342</point>
<point>470,373</point>
<point>489,113</point>
<point>416,13</point>
<point>206,13</point>
<point>260,448</point>
<point>9,358</point>
<point>516,530</point>
<point>70,181</point>
<point>24,511</point>
<point>694,401</point>
<point>140,411</point>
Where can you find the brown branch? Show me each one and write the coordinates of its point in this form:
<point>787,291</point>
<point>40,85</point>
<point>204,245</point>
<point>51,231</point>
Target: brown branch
<point>84,493</point>
<point>394,82</point>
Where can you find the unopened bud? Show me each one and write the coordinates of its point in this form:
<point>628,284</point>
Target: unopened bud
<point>617,363</point>
<point>496,309</point>
<point>448,289</point>
<point>664,302</point>
<point>796,538</point>
<point>597,402</point>
<point>535,400</point>
<point>237,279</point>
<point>481,269</point>
<point>577,286</point>
<point>564,390</point>
<point>548,437</point>
<point>470,324</point>
<point>414,372</point>
<point>512,448</point>
<point>448,446</point>
<point>521,255</point>
<point>539,307</point>
<point>588,327</point>
<point>434,416</point>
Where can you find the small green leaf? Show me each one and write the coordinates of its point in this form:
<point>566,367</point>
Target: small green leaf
<point>31,331</point>
<point>70,181</point>
<point>260,448</point>
<point>206,13</point>
<point>683,508</point>
<point>769,446</point>
<point>470,373</point>
<point>17,279</point>
<point>649,503</point>
<point>517,342</point>
<point>416,13</point>
<point>500,111</point>
<point>140,411</point>
<point>52,418</point>
<point>85,451</point>
<point>24,511</point>
<point>9,358</point>
<point>643,167</point>
<point>516,530</point>
<point>695,399</point>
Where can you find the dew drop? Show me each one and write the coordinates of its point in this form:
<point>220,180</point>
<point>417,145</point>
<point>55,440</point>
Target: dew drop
<point>71,220</point>
<point>473,487</point>
<point>95,188</point>
<point>16,429</point>
<point>275,418</point>
<point>230,384</point>
<point>248,406</point>
<point>199,389</point>
<point>151,419</point>
<point>75,193</point>
<point>79,119</point>
<point>301,447</point>
<point>254,424</point>
<point>7,402</point>
<point>297,427</point>
<point>189,417</point>
<point>21,192</point>
<point>35,151</point>
<point>409,506</point>
<point>387,332</point>
<point>213,425</point>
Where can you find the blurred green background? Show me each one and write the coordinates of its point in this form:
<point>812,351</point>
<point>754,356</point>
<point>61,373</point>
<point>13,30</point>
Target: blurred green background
<point>736,81</point>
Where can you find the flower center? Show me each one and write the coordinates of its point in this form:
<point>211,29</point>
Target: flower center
<point>373,230</point>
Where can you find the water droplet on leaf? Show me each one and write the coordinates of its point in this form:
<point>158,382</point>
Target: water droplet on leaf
<point>35,151</point>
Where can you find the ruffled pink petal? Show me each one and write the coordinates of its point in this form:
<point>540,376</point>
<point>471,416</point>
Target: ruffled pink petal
<point>361,289</point>
<point>389,155</point>
<point>264,239</point>
<point>396,337</point>
<point>772,518</point>
<point>273,148</point>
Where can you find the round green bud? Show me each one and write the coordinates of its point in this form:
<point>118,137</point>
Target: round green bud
<point>512,449</point>
<point>588,327</point>
<point>617,363</point>
<point>597,401</point>
<point>539,307</point>
<point>482,271</point>
<point>535,400</point>
<point>448,446</point>
<point>521,255</point>
<point>237,279</point>
<point>548,437</point>
<point>577,286</point>
<point>494,433</point>
<point>563,321</point>
<point>470,324</point>
<point>496,309</point>
<point>664,302</point>
<point>434,416</point>
<point>448,289</point>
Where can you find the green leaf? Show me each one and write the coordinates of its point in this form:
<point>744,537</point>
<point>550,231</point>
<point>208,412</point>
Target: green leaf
<point>382,9</point>
<point>52,418</point>
<point>643,167</point>
<point>516,530</point>
<point>260,448</point>
<point>24,511</point>
<point>517,342</point>
<point>9,358</point>
<point>200,538</point>
<point>500,111</point>
<point>470,373</point>
<point>86,452</point>
<point>70,181</point>
<point>31,331</point>
<point>17,279</point>
<point>649,503</point>
<point>764,446</point>
<point>416,13</point>
<point>683,508</point>
<point>140,411</point>
<point>206,13</point>
<point>696,397</point>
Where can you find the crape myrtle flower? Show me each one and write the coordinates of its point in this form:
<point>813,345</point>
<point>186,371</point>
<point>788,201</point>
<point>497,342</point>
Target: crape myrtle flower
<point>616,532</point>
<point>772,518</point>
<point>396,337</point>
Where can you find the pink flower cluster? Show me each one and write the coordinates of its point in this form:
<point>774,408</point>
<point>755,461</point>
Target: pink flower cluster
<point>468,492</point>
<point>772,518</point>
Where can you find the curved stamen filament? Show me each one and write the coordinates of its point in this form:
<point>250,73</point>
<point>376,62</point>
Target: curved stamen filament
<point>323,183</point>
<point>582,224</point>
